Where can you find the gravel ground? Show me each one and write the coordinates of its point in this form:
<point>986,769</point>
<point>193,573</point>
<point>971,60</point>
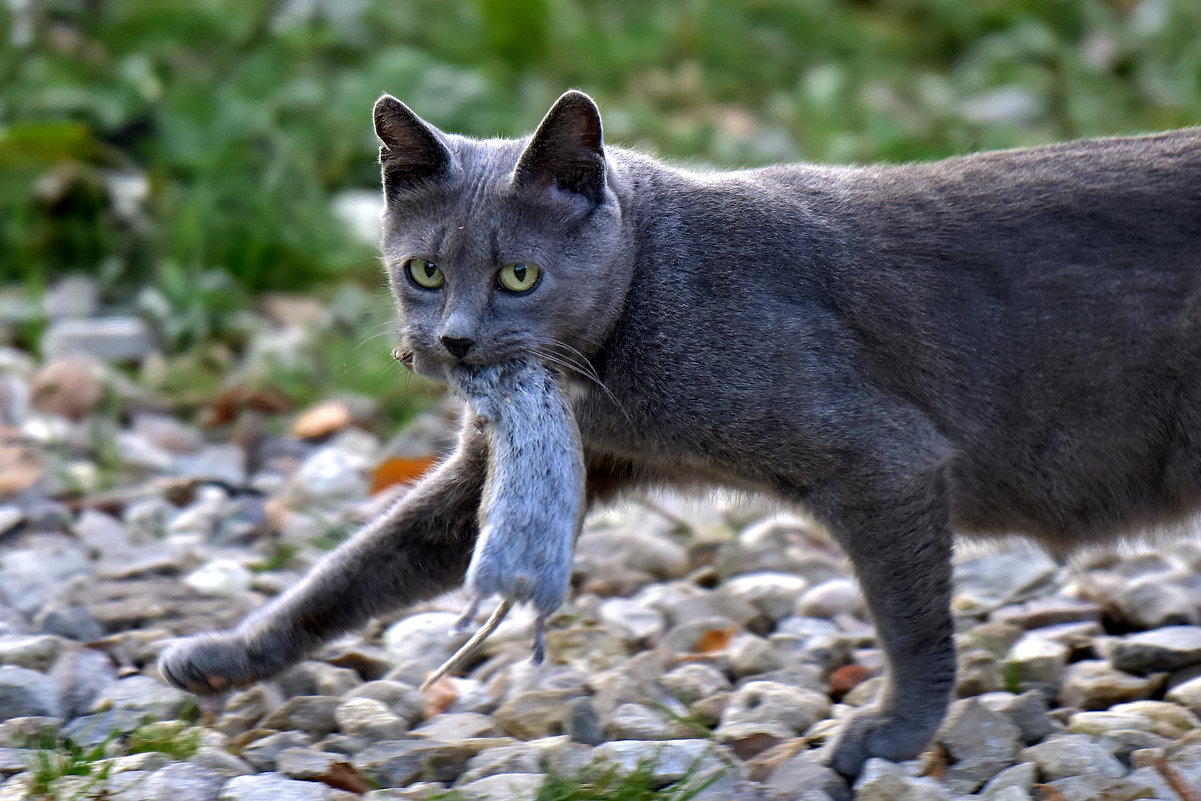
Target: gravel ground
<point>703,638</point>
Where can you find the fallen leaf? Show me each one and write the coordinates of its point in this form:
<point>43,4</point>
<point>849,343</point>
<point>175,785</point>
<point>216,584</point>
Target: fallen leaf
<point>400,470</point>
<point>230,403</point>
<point>320,421</point>
<point>1051,793</point>
<point>847,678</point>
<point>715,640</point>
<point>345,776</point>
<point>439,696</point>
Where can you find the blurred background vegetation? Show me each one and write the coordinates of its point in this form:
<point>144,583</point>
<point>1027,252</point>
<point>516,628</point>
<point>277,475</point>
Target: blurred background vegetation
<point>217,149</point>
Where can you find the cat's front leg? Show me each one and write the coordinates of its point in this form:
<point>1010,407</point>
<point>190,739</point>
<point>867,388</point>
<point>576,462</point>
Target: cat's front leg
<point>418,549</point>
<point>898,536</point>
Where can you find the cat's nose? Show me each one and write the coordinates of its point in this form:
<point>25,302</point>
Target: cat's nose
<point>458,346</point>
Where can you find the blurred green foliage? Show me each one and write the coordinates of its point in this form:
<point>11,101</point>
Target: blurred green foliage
<point>158,141</point>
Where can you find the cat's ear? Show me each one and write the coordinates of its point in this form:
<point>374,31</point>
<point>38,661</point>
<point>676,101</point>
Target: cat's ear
<point>567,151</point>
<point>413,150</point>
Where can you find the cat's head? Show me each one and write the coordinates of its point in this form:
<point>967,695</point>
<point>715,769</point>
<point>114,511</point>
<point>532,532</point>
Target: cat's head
<point>501,249</point>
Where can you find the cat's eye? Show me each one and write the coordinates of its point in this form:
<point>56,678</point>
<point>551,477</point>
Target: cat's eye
<point>518,277</point>
<point>425,274</point>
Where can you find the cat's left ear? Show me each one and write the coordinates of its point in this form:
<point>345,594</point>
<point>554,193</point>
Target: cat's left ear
<point>567,151</point>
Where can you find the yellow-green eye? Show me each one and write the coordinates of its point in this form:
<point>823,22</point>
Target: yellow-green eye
<point>518,277</point>
<point>425,274</point>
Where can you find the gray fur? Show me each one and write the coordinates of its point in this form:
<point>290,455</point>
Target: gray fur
<point>1004,342</point>
<point>533,500</point>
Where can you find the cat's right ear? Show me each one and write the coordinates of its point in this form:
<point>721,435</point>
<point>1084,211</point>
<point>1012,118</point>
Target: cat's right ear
<point>413,151</point>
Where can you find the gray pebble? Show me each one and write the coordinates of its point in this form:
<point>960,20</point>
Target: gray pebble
<point>25,692</point>
<point>1071,755</point>
<point>146,695</point>
<point>369,719</point>
<point>179,781</point>
<point>272,787</point>
<point>312,714</point>
<point>1169,648</point>
<point>262,753</point>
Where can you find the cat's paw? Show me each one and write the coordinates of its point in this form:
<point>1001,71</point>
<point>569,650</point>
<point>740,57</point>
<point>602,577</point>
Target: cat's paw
<point>210,663</point>
<point>870,733</point>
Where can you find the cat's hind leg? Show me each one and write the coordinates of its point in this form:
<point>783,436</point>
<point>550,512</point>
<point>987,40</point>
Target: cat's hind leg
<point>418,549</point>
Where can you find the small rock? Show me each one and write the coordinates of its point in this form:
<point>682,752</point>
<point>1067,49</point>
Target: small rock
<point>312,714</point>
<point>895,787</point>
<point>509,786</point>
<point>73,622</point>
<point>272,787</point>
<point>1020,777</point>
<point>457,726</point>
<point>1028,712</point>
<point>29,731</point>
<point>800,773</point>
<point>317,678</point>
<point>535,714</point>
<point>1154,602</point>
<point>401,698</point>
<point>25,692</point>
<point>102,534</point>
<point>370,719</point>
<point>397,763</point>
<point>246,708</point>
<point>694,681</point>
<point>1040,612</point>
<point>144,694</point>
<point>989,580</point>
<point>973,732</point>
<point>220,577</point>
<point>583,723</point>
<point>1093,684</point>
<point>672,760</point>
<point>111,339</point>
<point>304,763</point>
<point>1036,660</point>
<point>637,621</point>
<point>1168,648</point>
<point>178,781</point>
<point>422,638</point>
<point>831,598</point>
<point>772,703</point>
<point>751,655</point>
<point>1187,693</point>
<point>262,753</point>
<point>773,594</point>
<point>33,651</point>
<point>814,641</point>
<point>1071,755</point>
<point>640,722</point>
<point>67,387</point>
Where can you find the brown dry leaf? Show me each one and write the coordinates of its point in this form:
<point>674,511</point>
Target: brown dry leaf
<point>1051,793</point>
<point>439,696</point>
<point>847,678</point>
<point>400,470</point>
<point>326,418</point>
<point>715,640</point>
<point>230,403</point>
<point>345,776</point>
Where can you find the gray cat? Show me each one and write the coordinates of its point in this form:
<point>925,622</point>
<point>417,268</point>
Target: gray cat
<point>1005,342</point>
